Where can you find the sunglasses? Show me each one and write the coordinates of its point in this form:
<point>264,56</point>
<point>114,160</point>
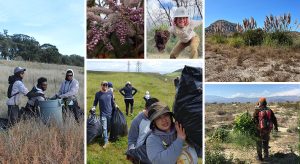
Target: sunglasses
<point>104,84</point>
<point>69,75</point>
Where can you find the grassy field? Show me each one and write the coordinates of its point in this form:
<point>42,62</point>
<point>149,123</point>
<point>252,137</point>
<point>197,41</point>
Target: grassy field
<point>224,146</point>
<point>33,142</point>
<point>159,86</point>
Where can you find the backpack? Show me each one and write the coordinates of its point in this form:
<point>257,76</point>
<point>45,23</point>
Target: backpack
<point>264,119</point>
<point>11,80</point>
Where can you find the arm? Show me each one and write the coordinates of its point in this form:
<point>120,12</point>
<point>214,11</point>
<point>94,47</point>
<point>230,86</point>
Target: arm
<point>96,100</point>
<point>122,91</point>
<point>73,91</point>
<point>274,120</point>
<point>157,154</point>
<point>21,87</point>
<point>133,134</point>
<point>134,91</point>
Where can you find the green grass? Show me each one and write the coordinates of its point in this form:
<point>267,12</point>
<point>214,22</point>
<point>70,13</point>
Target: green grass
<point>158,85</point>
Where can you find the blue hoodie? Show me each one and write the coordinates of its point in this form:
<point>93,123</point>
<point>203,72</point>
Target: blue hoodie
<point>127,91</point>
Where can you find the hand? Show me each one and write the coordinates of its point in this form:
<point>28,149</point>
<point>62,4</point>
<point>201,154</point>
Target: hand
<point>276,129</point>
<point>93,108</point>
<point>180,131</point>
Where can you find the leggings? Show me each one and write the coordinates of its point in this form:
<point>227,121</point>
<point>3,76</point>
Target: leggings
<point>127,102</point>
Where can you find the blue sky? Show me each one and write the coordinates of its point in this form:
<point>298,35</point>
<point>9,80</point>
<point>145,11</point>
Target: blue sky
<point>157,66</point>
<point>237,10</point>
<point>252,90</point>
<point>58,22</point>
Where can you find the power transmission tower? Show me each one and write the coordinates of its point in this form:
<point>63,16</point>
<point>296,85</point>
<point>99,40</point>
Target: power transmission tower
<point>128,66</point>
<point>138,66</point>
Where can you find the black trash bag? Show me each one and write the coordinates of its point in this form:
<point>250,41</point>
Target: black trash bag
<point>94,127</point>
<point>139,154</point>
<point>118,126</point>
<point>187,107</point>
<point>3,123</point>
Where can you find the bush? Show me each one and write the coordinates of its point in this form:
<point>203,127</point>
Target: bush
<point>253,37</point>
<point>220,39</point>
<point>220,135</point>
<point>236,42</point>
<point>282,38</point>
<point>244,124</point>
<point>242,140</point>
<point>216,157</point>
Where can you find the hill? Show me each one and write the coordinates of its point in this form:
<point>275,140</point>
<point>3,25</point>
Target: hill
<point>219,99</point>
<point>226,26</point>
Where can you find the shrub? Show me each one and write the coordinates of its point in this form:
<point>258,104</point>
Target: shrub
<point>220,134</point>
<point>220,39</point>
<point>236,42</point>
<point>216,157</point>
<point>281,38</point>
<point>253,37</point>
<point>244,124</point>
<point>242,140</point>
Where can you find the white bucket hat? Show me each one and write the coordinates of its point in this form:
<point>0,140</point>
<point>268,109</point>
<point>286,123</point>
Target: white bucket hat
<point>181,12</point>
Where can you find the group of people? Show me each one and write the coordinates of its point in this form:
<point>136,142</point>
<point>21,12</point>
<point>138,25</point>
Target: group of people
<point>153,128</point>
<point>68,92</point>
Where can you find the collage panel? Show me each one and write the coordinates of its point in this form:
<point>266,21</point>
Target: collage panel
<point>115,29</point>
<point>144,111</point>
<point>252,41</point>
<point>252,123</point>
<point>174,29</point>
<point>42,82</point>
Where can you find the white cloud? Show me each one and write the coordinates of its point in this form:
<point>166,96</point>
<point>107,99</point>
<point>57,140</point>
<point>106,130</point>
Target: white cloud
<point>292,92</point>
<point>237,95</point>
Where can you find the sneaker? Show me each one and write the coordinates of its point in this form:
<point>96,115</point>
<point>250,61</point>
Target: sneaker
<point>105,145</point>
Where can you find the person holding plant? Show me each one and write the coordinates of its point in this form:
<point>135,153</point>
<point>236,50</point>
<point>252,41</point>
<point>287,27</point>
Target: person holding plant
<point>264,119</point>
<point>166,143</point>
<point>183,28</point>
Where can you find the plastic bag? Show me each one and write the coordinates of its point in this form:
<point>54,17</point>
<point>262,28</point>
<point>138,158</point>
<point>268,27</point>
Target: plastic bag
<point>118,125</point>
<point>94,127</point>
<point>187,107</point>
<point>138,155</point>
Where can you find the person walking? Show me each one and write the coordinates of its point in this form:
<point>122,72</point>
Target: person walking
<point>264,119</point>
<point>128,92</point>
<point>166,143</point>
<point>15,90</point>
<point>106,106</point>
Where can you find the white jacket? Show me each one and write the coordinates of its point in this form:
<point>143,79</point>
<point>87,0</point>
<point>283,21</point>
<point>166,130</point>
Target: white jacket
<point>18,86</point>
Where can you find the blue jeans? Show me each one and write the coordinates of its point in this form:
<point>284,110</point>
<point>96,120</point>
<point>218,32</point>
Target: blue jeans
<point>105,121</point>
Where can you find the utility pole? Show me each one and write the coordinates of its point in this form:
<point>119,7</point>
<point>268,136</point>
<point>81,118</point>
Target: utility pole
<point>128,66</point>
<point>138,66</point>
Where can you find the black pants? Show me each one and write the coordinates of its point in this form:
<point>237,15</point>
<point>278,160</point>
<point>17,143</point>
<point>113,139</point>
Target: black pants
<point>13,114</point>
<point>263,144</point>
<point>74,109</point>
<point>127,103</point>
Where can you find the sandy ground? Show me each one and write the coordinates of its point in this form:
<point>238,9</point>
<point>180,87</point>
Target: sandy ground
<point>226,68</point>
<point>283,144</point>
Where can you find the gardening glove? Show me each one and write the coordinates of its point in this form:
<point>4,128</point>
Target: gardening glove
<point>93,108</point>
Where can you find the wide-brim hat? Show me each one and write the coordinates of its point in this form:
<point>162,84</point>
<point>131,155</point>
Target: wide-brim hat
<point>157,109</point>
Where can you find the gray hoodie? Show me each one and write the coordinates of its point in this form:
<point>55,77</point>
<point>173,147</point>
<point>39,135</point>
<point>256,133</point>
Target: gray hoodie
<point>69,89</point>
<point>18,86</point>
<point>166,147</point>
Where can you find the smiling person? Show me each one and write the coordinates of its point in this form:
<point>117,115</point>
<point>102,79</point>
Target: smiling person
<point>166,143</point>
<point>68,92</point>
<point>15,90</point>
<point>183,28</point>
<point>106,106</point>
